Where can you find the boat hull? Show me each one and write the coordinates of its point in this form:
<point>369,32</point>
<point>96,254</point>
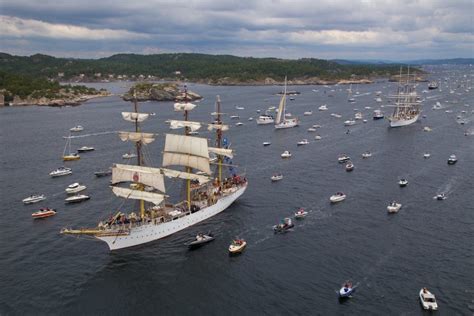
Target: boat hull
<point>399,123</point>
<point>151,232</point>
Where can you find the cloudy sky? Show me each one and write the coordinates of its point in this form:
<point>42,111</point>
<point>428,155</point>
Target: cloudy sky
<point>351,29</point>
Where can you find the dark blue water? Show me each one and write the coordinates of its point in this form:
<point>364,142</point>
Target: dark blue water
<point>428,243</point>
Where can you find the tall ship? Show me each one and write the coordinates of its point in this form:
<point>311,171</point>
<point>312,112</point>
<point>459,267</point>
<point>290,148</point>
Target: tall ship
<point>407,103</point>
<point>207,192</point>
<point>281,120</point>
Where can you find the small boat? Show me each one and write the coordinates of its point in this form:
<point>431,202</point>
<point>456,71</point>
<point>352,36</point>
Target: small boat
<point>61,171</point>
<point>301,213</point>
<point>77,198</point>
<point>452,160</point>
<point>317,137</point>
<point>77,128</point>
<point>336,115</point>
<point>35,198</point>
<point>343,158</point>
<point>358,116</point>
<point>426,155</point>
<point>266,143</point>
<point>234,117</point>
<point>286,154</point>
<point>427,129</point>
<point>323,107</point>
<point>440,197</point>
<point>250,118</point>
<point>338,197</point>
<point>239,107</point>
<point>394,207</point>
<point>239,124</point>
<point>367,154</point>
<point>311,129</point>
<point>349,123</point>
<point>433,85</point>
<point>402,182</point>
<point>302,142</point>
<point>200,240</point>
<point>284,226</point>
<point>346,290</point>
<point>75,188</point>
<point>308,113</point>
<point>71,157</point>
<point>43,213</point>
<point>277,177</point>
<point>85,149</point>
<point>103,173</point>
<point>316,126</point>
<point>128,156</point>
<point>237,246</point>
<point>377,115</point>
<point>349,166</point>
<point>428,300</point>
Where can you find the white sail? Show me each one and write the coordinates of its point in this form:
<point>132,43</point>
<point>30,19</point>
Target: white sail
<point>214,126</point>
<point>222,151</point>
<point>194,126</point>
<point>184,106</point>
<point>173,159</point>
<point>145,175</point>
<point>145,138</point>
<point>127,193</point>
<point>186,151</point>
<point>281,107</point>
<point>185,175</point>
<point>134,117</point>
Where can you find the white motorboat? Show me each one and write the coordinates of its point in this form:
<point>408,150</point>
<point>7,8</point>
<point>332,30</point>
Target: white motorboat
<point>336,115</point>
<point>343,158</point>
<point>426,155</point>
<point>265,119</point>
<point>239,124</point>
<point>277,177</point>
<point>77,198</point>
<point>316,126</point>
<point>346,290</point>
<point>301,213</point>
<point>338,197</point>
<point>349,123</point>
<point>286,154</point>
<point>85,148</point>
<point>61,171</point>
<point>440,197</point>
<point>367,154</point>
<point>349,166</point>
<point>77,128</point>
<point>234,117</point>
<point>239,107</point>
<point>250,119</point>
<point>266,143</point>
<point>200,240</point>
<point>75,188</point>
<point>302,142</point>
<point>323,107</point>
<point>129,156</point>
<point>311,129</point>
<point>378,114</point>
<point>427,129</point>
<point>308,113</point>
<point>403,182</point>
<point>428,300</point>
<point>452,160</point>
<point>394,207</point>
<point>35,198</point>
<point>358,116</point>
<point>317,137</point>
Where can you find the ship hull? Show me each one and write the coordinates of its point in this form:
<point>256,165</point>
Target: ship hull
<point>399,123</point>
<point>151,232</point>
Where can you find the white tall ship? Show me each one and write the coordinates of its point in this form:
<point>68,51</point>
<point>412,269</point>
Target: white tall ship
<point>281,120</point>
<point>156,216</point>
<point>407,103</point>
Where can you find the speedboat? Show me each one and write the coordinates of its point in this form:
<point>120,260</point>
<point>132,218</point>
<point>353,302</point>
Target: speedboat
<point>394,207</point>
<point>250,118</point>
<point>75,188</point>
<point>35,198</point>
<point>317,137</point>
<point>349,123</point>
<point>128,156</point>
<point>302,142</point>
<point>266,143</point>
<point>239,124</point>
<point>346,290</point>
<point>61,171</point>
<point>338,197</point>
<point>301,213</point>
<point>440,197</point>
<point>308,113</point>
<point>311,129</point>
<point>336,115</point>
<point>103,173</point>
<point>367,154</point>
<point>452,160</point>
<point>286,154</point>
<point>77,128</point>
<point>378,114</point>
<point>428,300</point>
<point>85,148</point>
<point>427,129</point>
<point>343,158</point>
<point>200,240</point>
<point>43,213</point>
<point>283,226</point>
<point>323,107</point>
<point>426,155</point>
<point>234,117</point>
<point>239,107</point>
<point>277,177</point>
<point>403,182</point>
<point>77,198</point>
<point>71,157</point>
<point>316,126</point>
<point>237,246</point>
<point>349,166</point>
<point>358,116</point>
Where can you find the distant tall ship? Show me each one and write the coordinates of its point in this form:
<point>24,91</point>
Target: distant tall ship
<point>155,216</point>
<point>281,120</point>
<point>407,102</point>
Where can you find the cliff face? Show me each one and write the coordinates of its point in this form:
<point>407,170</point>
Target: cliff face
<point>159,92</point>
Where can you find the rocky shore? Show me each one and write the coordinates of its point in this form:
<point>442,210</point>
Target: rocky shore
<point>227,81</point>
<point>56,101</point>
<point>158,92</point>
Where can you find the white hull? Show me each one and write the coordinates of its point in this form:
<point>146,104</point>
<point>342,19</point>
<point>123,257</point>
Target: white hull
<point>287,124</point>
<point>401,122</point>
<point>150,232</point>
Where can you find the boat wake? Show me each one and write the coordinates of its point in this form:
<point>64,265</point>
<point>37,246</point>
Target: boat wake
<point>92,134</point>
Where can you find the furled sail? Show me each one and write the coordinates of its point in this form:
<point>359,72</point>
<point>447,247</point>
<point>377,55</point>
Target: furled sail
<point>281,107</point>
<point>127,193</point>
<point>144,138</point>
<point>222,151</point>
<point>184,106</point>
<point>145,175</point>
<point>215,126</point>
<point>194,126</point>
<point>186,151</point>
<point>185,175</point>
<point>134,116</point>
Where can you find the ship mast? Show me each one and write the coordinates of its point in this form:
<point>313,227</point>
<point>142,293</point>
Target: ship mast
<point>186,132</point>
<point>219,138</point>
<point>138,146</point>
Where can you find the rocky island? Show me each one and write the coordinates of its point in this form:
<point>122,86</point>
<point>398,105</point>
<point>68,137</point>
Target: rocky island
<point>145,91</point>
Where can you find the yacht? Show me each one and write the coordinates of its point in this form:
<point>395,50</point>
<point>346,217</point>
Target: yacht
<point>302,142</point>
<point>277,177</point>
<point>85,148</point>
<point>403,182</point>
<point>338,197</point>
<point>343,158</point>
<point>323,107</point>
<point>77,198</point>
<point>265,119</point>
<point>286,154</point>
<point>35,198</point>
<point>428,300</point>
<point>77,128</point>
<point>367,154</point>
<point>394,207</point>
<point>61,171</point>
<point>75,188</point>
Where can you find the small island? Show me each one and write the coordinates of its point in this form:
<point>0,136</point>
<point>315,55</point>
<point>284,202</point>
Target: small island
<point>168,91</point>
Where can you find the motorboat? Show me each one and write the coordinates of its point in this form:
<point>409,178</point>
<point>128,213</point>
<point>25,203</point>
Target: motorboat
<point>426,155</point>
<point>402,182</point>
<point>428,300</point>
<point>347,290</point>
<point>239,107</point>
<point>316,126</point>
<point>301,213</point>
<point>349,123</point>
<point>200,240</point>
<point>266,143</point>
<point>440,196</point>
<point>237,246</point>
<point>323,107</point>
<point>358,116</point>
<point>77,198</point>
<point>265,119</point>
<point>61,171</point>
<point>43,213</point>
<point>71,157</point>
<point>277,177</point>
<point>234,117</point>
<point>77,128</point>
<point>427,129</point>
<point>302,142</point>
<point>75,188</point>
<point>343,158</point>
<point>338,197</point>
<point>250,119</point>
<point>85,149</point>
<point>349,166</point>
<point>317,137</point>
<point>452,160</point>
<point>128,156</point>
<point>239,124</point>
<point>311,129</point>
<point>284,226</point>
<point>394,207</point>
<point>367,154</point>
<point>336,115</point>
<point>308,113</point>
<point>377,115</point>
<point>286,154</point>
<point>433,85</point>
<point>103,173</point>
<point>35,198</point>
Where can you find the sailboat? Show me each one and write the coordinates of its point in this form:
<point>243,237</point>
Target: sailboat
<point>206,194</point>
<point>281,120</point>
<point>407,104</point>
<point>70,155</point>
<point>350,98</point>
